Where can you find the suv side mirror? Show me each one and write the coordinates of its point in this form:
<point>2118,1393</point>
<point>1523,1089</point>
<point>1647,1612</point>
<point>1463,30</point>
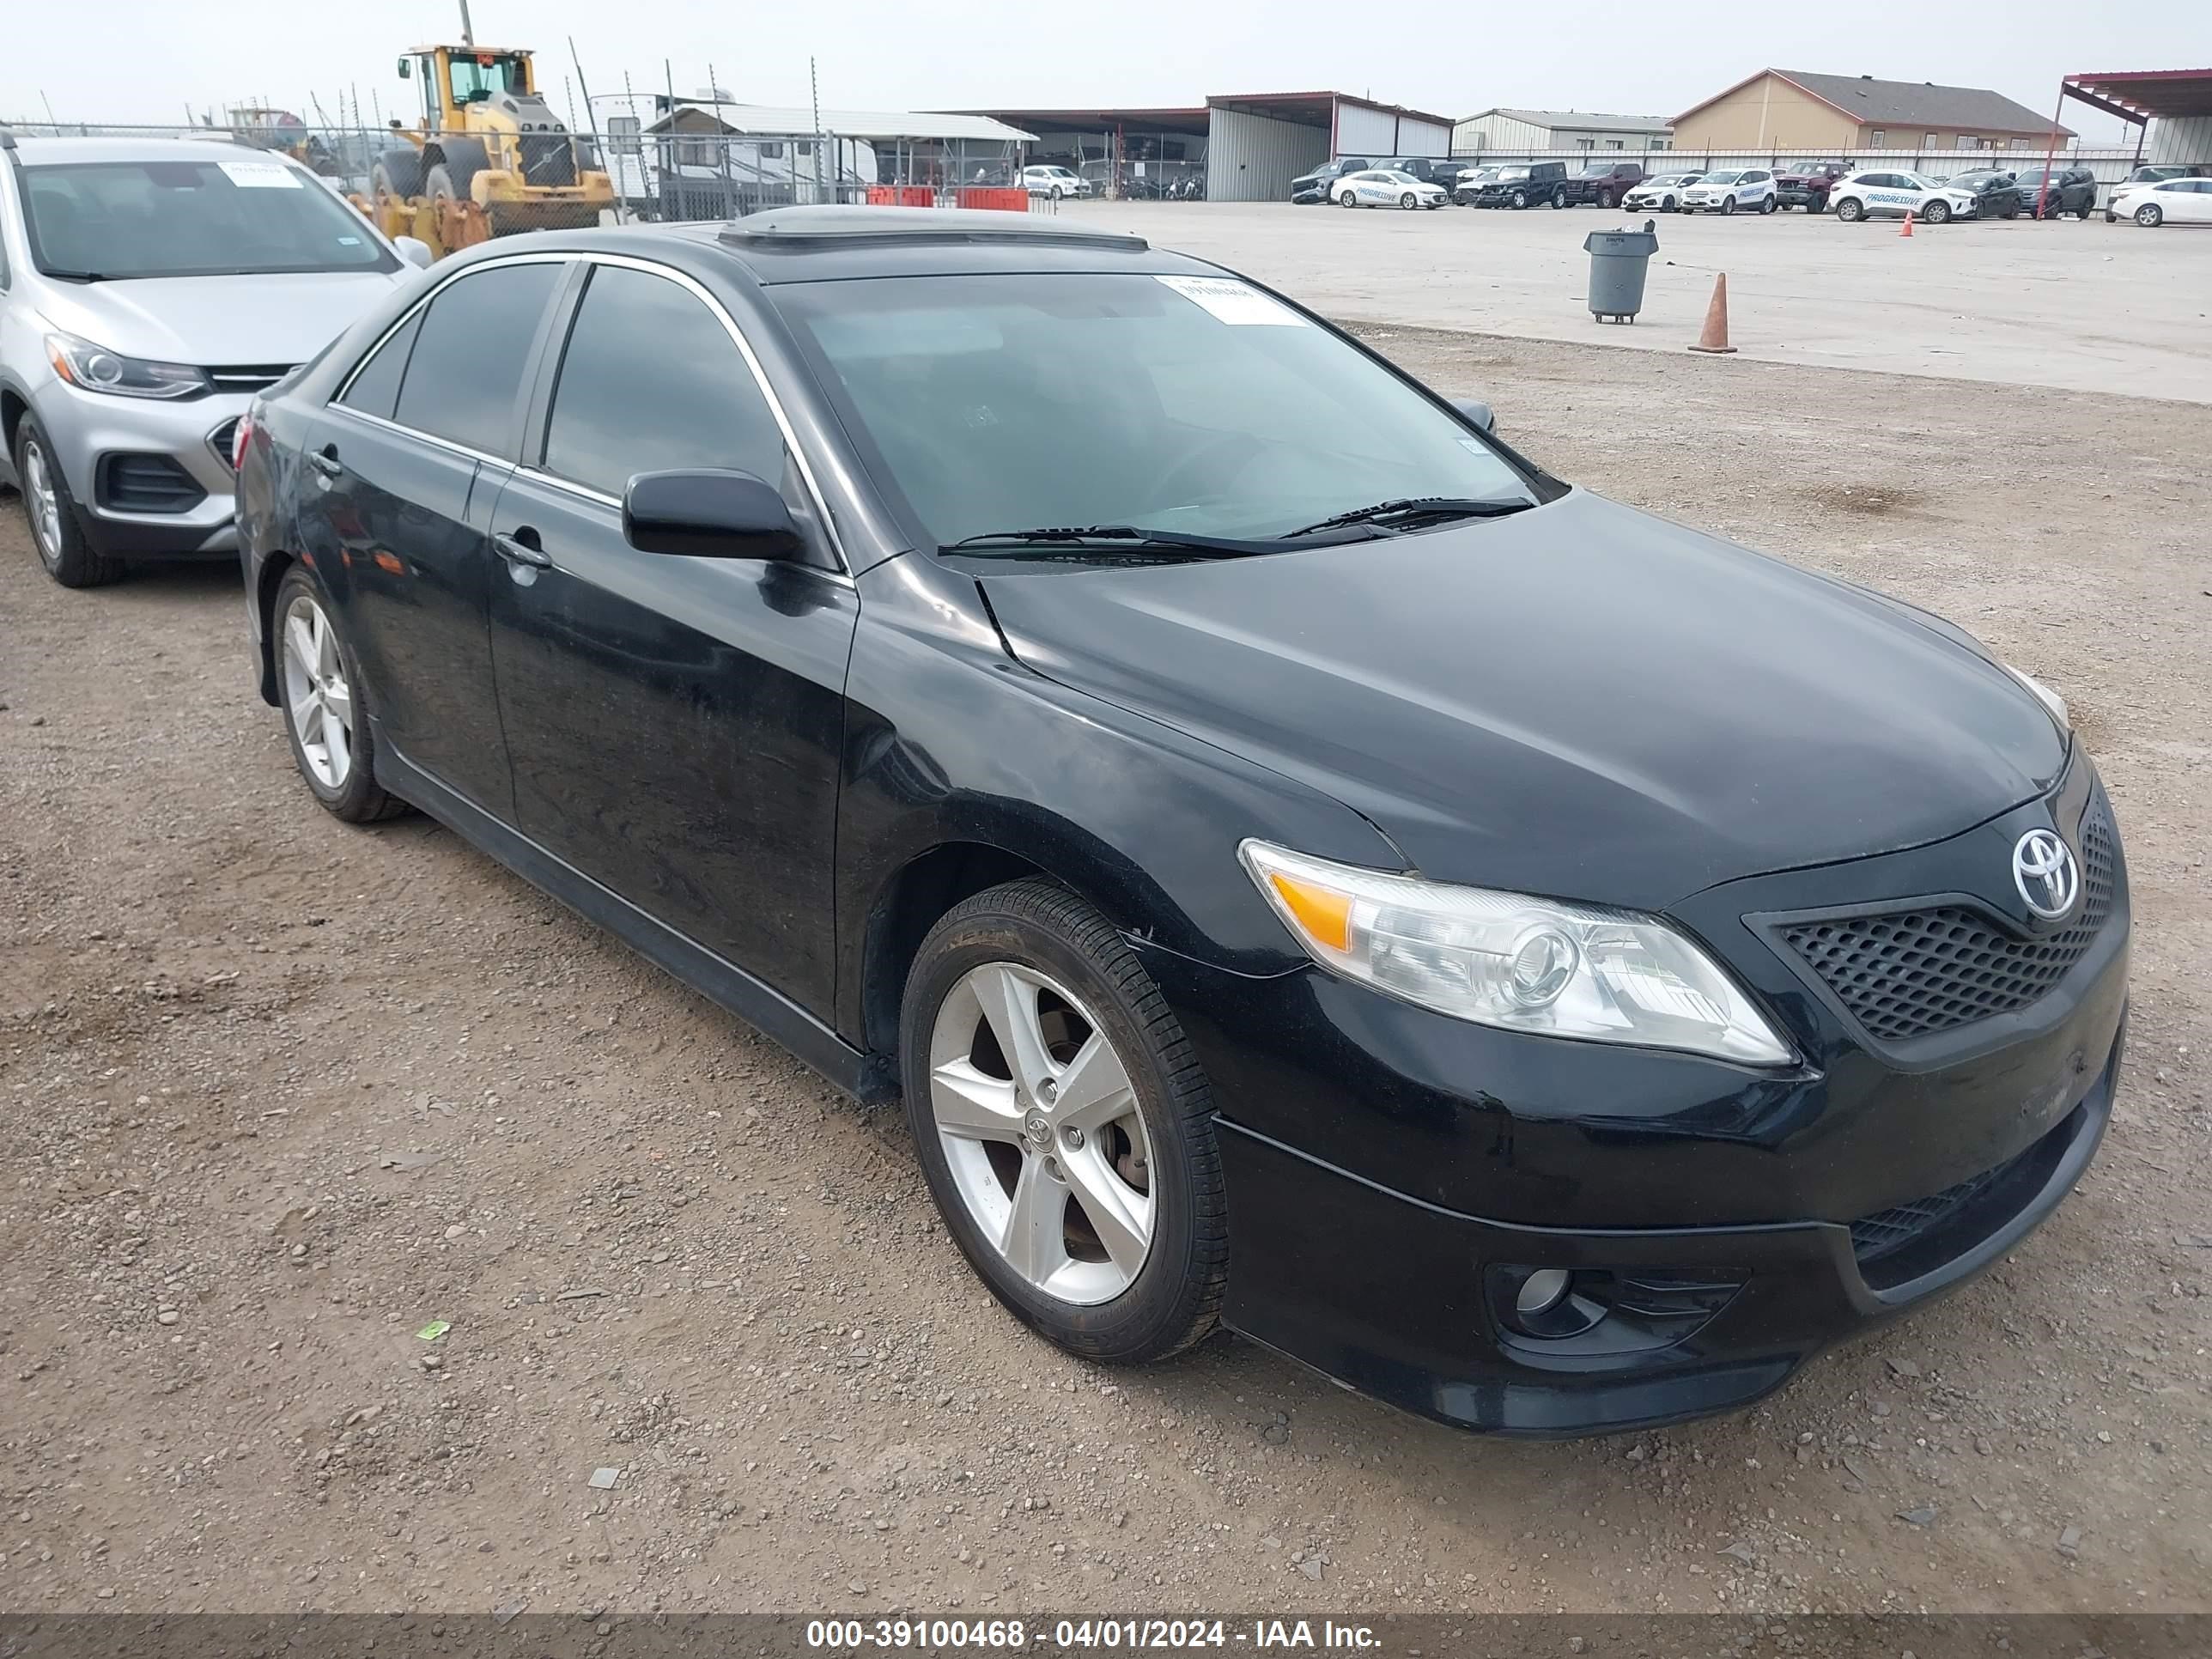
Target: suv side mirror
<point>1477,413</point>
<point>709,513</point>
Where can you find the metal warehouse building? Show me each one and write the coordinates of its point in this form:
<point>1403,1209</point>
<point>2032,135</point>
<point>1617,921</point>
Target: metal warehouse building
<point>1257,142</point>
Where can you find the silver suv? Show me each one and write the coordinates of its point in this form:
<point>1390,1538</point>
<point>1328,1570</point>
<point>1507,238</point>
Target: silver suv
<point>149,288</point>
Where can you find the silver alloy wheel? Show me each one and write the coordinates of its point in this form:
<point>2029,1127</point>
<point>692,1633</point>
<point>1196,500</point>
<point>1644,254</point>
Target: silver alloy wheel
<point>316,694</point>
<point>44,501</point>
<point>1042,1133</point>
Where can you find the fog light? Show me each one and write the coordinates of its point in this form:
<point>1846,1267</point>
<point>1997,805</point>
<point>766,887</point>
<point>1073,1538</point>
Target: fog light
<point>1541,1292</point>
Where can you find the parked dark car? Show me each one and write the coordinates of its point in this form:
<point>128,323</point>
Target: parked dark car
<point>1426,169</point>
<point>1602,184</point>
<point>1806,183</point>
<point>2046,193</point>
<point>1309,188</point>
<point>1524,184</point>
<point>1270,909</point>
<point>1996,195</point>
<point>1450,173</point>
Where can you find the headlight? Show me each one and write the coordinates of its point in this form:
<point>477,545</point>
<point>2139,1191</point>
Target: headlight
<point>2051,699</point>
<point>95,369</point>
<point>1520,963</point>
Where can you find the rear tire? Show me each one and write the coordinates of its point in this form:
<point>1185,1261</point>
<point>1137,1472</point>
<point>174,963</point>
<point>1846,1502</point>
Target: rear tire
<point>324,703</point>
<point>1559,199</point>
<point>56,531</point>
<point>2150,215</point>
<point>1032,959</point>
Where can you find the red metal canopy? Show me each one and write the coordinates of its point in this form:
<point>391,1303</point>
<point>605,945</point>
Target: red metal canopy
<point>2138,95</point>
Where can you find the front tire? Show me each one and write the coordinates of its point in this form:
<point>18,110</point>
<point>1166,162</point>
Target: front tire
<point>1768,203</point>
<point>1409,201</point>
<point>1727,205</point>
<point>1520,198</point>
<point>1668,206</point>
<point>1937,213</point>
<point>56,532</point>
<point>1064,1126</point>
<point>1347,200</point>
<point>1850,209</point>
<point>1605,198</point>
<point>320,684</point>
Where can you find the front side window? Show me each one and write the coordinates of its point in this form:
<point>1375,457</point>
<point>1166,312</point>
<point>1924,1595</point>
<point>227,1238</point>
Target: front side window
<point>1192,404</point>
<point>651,380</point>
<point>464,380</point>
<point>235,213</point>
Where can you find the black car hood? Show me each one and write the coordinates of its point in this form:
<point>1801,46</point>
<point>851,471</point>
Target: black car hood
<point>1581,700</point>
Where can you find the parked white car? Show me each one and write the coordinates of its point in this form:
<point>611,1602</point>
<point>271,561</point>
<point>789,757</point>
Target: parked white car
<point>1728,190</point>
<point>1867,195</point>
<point>2152,202</point>
<point>1383,188</point>
<point>1662,194</point>
<point>1055,182</point>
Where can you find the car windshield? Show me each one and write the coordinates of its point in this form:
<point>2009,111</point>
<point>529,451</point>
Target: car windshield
<point>1508,174</point>
<point>1192,404</point>
<point>1674,179</point>
<point>228,215</point>
<point>1720,178</point>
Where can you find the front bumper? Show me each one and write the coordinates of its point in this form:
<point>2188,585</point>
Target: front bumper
<point>88,431</point>
<point>1386,1165</point>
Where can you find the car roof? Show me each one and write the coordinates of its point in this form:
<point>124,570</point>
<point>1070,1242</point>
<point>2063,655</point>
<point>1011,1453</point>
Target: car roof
<point>838,244</point>
<point>64,152</point>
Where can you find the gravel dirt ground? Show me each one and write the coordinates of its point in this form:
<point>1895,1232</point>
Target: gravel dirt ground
<point>275,1093</point>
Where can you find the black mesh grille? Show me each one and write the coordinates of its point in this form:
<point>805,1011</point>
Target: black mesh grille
<point>1881,1235</point>
<point>146,483</point>
<point>1906,974</point>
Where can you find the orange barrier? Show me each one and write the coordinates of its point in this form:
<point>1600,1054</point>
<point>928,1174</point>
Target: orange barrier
<point>917,196</point>
<point>1005,201</point>
<point>882,195</point>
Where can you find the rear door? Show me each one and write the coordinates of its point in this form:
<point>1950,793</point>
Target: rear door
<point>406,461</point>
<point>676,723</point>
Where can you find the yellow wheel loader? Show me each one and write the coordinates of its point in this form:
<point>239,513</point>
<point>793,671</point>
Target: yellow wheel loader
<point>490,159</point>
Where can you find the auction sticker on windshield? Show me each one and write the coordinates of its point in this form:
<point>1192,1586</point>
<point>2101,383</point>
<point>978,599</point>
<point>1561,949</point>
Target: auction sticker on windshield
<point>1234,301</point>
<point>260,175</point>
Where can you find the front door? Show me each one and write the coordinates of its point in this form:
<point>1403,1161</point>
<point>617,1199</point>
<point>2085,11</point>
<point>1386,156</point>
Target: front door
<point>676,723</point>
<point>406,462</point>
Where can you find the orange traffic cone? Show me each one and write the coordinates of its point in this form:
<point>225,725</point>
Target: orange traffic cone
<point>1715,339</point>
<point>1907,231</point>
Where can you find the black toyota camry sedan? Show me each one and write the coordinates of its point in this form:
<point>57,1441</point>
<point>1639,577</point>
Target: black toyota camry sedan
<point>1305,868</point>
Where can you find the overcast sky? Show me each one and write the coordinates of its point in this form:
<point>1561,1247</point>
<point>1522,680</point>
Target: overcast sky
<point>145,60</point>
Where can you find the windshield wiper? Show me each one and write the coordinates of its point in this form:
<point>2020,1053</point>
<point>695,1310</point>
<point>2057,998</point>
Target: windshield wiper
<point>81,276</point>
<point>1415,507</point>
<point>1123,538</point>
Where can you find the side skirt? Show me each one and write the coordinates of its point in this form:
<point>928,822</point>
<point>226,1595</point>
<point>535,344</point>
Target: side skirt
<point>867,1076</point>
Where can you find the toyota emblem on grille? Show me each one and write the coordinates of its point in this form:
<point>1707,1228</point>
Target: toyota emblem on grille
<point>2044,870</point>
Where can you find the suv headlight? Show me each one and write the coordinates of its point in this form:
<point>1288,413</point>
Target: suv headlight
<point>95,369</point>
<point>1507,960</point>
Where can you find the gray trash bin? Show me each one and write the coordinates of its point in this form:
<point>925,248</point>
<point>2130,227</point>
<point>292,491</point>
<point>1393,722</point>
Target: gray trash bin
<point>1618,262</point>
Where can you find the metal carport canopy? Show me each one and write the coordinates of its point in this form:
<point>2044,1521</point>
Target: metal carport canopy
<point>2139,95</point>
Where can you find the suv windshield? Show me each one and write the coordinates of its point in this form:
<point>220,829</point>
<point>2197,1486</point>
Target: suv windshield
<point>1191,405</point>
<point>229,216</point>
<point>1720,178</point>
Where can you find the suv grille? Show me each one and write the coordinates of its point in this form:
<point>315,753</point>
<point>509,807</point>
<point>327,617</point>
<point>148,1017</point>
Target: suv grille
<point>249,377</point>
<point>146,483</point>
<point>1907,974</point>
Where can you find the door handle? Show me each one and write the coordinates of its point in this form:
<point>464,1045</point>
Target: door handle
<point>326,461</point>
<point>515,550</point>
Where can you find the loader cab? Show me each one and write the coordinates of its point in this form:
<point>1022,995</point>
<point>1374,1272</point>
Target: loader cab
<point>454,78</point>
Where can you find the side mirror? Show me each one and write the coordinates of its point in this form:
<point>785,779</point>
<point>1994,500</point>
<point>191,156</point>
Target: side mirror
<point>415,251</point>
<point>709,513</point>
<point>1477,413</point>
<point>406,69</point>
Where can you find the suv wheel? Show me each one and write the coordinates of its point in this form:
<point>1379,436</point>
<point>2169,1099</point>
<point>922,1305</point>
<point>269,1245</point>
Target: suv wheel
<point>1768,203</point>
<point>1559,197</point>
<point>1520,198</point>
<point>1728,205</point>
<point>321,685</point>
<point>1850,209</point>
<point>56,530</point>
<point>1064,1126</point>
<point>1935,213</point>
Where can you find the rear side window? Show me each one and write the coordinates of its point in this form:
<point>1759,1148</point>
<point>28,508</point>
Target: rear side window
<point>375,387</point>
<point>635,330</point>
<point>464,380</point>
